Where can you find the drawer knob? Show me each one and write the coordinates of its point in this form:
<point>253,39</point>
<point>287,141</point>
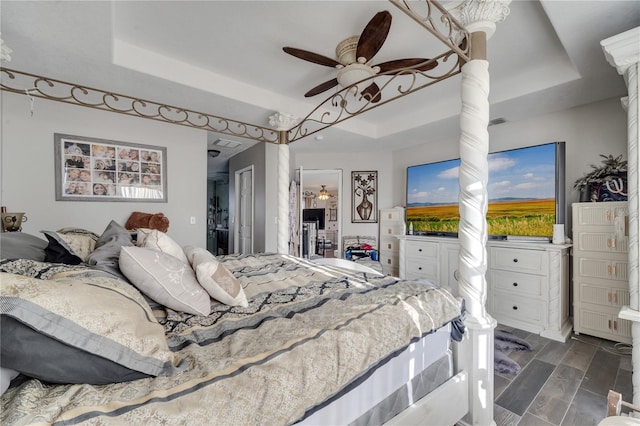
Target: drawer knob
<point>515,284</point>
<point>419,249</point>
<point>515,260</point>
<point>419,268</point>
<point>515,308</point>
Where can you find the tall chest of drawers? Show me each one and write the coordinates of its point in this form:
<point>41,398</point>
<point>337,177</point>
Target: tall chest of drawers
<point>391,226</point>
<point>600,269</point>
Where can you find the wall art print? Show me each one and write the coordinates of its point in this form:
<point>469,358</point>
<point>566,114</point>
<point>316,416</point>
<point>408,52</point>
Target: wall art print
<point>90,169</point>
<point>364,197</point>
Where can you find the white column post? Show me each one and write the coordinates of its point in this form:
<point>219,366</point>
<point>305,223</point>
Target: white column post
<point>282,123</point>
<point>283,198</point>
<point>477,351</point>
<point>623,52</point>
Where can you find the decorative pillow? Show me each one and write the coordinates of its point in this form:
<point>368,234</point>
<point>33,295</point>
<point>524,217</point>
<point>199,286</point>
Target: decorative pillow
<point>58,251</point>
<point>20,245</point>
<point>82,242</point>
<point>215,277</point>
<point>156,240</point>
<point>93,331</point>
<point>165,279</point>
<point>68,243</point>
<point>107,252</point>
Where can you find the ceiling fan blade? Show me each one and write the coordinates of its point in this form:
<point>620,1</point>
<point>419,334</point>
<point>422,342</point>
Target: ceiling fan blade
<point>374,35</point>
<point>322,87</point>
<point>311,57</point>
<point>372,93</point>
<point>407,63</point>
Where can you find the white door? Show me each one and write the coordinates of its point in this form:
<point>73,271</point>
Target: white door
<point>244,182</point>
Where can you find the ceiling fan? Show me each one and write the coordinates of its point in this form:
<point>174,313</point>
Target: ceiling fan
<point>354,59</point>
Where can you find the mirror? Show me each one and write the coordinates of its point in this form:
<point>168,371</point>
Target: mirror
<point>320,228</point>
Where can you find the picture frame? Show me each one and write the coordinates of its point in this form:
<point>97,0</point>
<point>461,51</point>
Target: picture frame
<point>92,169</point>
<point>364,197</point>
<point>333,215</point>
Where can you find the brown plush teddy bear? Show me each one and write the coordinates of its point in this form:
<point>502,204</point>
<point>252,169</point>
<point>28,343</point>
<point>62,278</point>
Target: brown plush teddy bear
<point>147,220</point>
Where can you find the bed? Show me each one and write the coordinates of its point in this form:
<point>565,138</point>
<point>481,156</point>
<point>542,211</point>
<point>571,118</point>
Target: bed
<point>301,349</point>
<point>466,396</point>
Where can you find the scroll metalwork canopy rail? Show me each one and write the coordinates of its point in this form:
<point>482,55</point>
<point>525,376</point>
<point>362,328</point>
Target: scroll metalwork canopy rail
<point>340,106</point>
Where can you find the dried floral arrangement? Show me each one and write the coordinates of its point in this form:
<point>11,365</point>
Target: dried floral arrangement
<point>611,168</point>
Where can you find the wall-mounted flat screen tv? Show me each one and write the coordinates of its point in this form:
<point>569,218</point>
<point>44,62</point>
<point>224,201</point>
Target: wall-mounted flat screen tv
<point>314,215</point>
<point>525,188</point>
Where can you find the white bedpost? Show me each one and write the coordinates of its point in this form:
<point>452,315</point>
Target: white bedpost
<point>623,52</point>
<point>476,349</point>
<point>283,122</point>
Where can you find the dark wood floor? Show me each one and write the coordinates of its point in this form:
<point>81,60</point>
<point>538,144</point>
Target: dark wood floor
<point>562,384</point>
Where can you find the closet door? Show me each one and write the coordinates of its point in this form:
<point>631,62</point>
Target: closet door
<point>245,215</point>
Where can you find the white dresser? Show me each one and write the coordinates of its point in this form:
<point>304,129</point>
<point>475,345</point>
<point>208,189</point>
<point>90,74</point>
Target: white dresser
<point>391,225</point>
<point>600,269</point>
<point>528,283</point>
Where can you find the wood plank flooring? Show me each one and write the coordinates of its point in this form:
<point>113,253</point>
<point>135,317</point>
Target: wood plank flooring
<point>561,384</point>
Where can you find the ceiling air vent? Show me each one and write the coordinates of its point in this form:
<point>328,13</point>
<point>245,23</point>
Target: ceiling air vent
<point>496,121</point>
<point>226,143</point>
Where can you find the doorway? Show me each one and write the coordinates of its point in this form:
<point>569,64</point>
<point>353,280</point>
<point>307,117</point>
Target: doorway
<point>321,206</point>
<point>243,240</point>
<point>218,216</point>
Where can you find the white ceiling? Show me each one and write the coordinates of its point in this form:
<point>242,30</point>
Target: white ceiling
<point>225,58</point>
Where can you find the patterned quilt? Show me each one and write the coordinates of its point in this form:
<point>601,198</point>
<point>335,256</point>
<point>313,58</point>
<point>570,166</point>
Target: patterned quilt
<point>308,334</point>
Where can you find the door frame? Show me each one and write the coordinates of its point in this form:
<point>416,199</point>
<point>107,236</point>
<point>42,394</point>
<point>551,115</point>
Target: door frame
<point>238,198</point>
<point>333,174</point>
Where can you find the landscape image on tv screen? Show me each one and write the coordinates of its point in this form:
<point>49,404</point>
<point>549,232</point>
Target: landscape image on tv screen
<point>522,191</point>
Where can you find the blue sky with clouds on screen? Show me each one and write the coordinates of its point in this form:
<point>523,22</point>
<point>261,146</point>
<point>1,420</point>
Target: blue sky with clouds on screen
<point>520,173</point>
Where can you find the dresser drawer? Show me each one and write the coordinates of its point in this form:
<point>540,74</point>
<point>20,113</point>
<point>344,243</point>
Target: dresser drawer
<point>421,249</point>
<point>506,306</point>
<point>394,215</point>
<point>391,229</point>
<point>388,259</point>
<point>592,267</point>
<point>516,283</point>
<point>518,260</point>
<point>598,214</point>
<point>602,295</point>
<point>601,242</point>
<point>417,268</point>
<point>389,244</point>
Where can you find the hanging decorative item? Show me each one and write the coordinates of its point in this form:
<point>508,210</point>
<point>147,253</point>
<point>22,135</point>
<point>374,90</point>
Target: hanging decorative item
<point>364,195</point>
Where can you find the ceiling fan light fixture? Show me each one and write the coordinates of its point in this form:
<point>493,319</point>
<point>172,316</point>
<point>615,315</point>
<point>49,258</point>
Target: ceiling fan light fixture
<point>324,194</point>
<point>353,73</point>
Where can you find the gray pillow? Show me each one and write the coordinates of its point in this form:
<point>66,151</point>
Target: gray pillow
<point>107,252</point>
<point>20,245</point>
<point>93,331</point>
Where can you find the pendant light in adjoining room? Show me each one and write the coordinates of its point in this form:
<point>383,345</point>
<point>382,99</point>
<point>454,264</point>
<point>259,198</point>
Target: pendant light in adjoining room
<point>324,194</point>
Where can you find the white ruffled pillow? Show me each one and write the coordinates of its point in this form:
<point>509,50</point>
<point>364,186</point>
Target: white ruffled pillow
<point>215,278</point>
<point>165,279</point>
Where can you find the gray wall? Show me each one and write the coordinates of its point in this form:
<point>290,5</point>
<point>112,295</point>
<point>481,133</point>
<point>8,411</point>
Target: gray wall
<point>588,131</point>
<point>27,175</point>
